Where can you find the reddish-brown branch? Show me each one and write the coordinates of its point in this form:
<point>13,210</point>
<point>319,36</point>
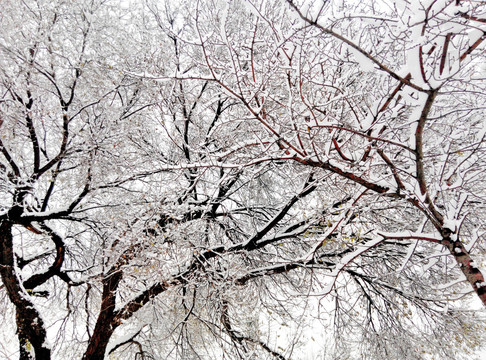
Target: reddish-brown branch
<point>473,18</point>
<point>473,46</point>
<point>420,172</point>
<point>392,95</point>
<point>421,63</point>
<point>411,237</point>
<point>374,138</point>
<point>346,174</point>
<point>336,146</point>
<point>444,52</point>
<point>393,169</point>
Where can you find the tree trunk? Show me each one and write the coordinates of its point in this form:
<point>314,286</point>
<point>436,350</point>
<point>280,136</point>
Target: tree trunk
<point>30,327</point>
<point>105,325</point>
<point>469,269</point>
<point>99,340</point>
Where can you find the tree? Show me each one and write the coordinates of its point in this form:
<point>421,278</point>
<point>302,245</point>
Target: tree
<point>178,181</point>
<point>369,93</point>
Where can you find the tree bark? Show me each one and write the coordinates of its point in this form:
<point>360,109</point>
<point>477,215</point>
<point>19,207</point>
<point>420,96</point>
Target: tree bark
<point>106,324</point>
<point>469,269</point>
<point>30,327</point>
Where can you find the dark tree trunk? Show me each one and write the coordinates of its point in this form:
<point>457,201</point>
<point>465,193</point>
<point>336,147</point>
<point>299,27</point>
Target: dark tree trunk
<point>99,340</point>
<point>106,324</point>
<point>30,327</point>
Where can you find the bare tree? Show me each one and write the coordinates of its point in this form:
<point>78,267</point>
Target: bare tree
<point>176,182</point>
<point>374,96</point>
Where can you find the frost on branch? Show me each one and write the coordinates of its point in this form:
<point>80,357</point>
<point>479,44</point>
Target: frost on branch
<point>234,179</point>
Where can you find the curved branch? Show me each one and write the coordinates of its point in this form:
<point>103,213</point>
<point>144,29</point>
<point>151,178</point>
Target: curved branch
<point>40,278</point>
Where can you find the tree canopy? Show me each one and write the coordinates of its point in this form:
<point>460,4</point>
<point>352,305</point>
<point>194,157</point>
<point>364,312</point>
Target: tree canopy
<point>240,179</point>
